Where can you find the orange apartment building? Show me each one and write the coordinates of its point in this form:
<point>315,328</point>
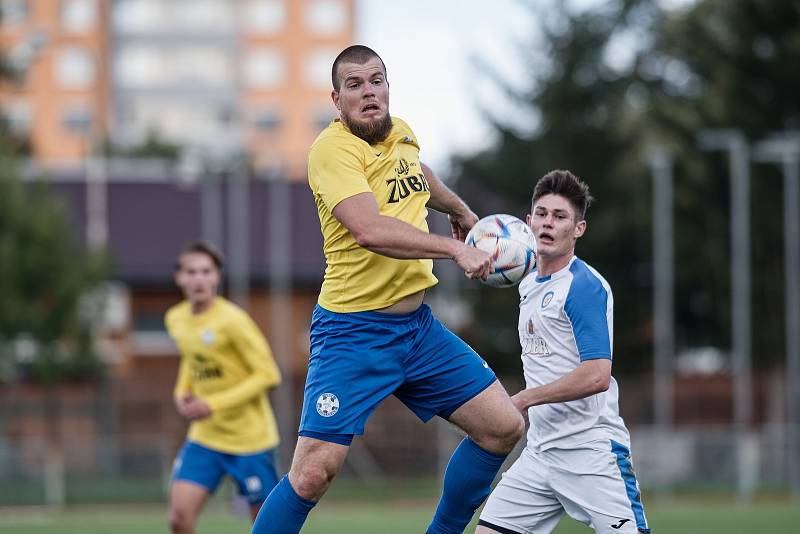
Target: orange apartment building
<point>217,77</point>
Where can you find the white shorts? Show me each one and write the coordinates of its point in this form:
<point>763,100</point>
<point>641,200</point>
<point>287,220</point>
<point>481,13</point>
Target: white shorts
<point>595,485</point>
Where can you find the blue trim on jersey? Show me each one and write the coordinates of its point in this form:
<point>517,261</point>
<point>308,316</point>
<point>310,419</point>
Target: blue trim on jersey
<point>541,279</point>
<point>585,307</point>
<point>631,488</point>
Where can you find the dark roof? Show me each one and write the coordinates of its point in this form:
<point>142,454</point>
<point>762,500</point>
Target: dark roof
<point>149,221</point>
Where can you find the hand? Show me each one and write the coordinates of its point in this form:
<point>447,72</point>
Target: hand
<point>191,407</point>
<point>475,262</point>
<point>460,223</point>
<point>521,405</point>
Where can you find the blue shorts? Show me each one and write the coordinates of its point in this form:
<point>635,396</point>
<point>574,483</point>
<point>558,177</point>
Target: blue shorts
<point>359,359</point>
<point>255,474</point>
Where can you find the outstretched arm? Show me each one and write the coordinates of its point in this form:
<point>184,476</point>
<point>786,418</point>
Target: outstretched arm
<point>255,351</point>
<point>590,377</point>
<point>397,239</point>
<point>443,199</point>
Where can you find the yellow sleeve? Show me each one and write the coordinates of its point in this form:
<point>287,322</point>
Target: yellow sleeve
<point>183,384</point>
<point>336,170</point>
<point>254,350</point>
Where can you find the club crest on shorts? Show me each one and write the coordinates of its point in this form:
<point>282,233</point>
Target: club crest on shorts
<point>327,404</point>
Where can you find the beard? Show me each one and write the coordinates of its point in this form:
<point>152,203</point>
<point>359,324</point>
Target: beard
<point>370,131</point>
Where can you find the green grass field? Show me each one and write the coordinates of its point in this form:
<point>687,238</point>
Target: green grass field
<point>396,516</point>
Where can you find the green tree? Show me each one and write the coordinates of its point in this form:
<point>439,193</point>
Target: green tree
<point>584,124</point>
<point>725,64</point>
<point>607,82</point>
<point>44,273</point>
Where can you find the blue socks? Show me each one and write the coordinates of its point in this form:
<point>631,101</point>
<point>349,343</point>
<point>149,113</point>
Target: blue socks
<point>284,511</point>
<point>467,483</point>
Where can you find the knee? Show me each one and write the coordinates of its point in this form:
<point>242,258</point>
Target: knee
<point>311,481</point>
<point>511,432</point>
<point>180,521</point>
<point>504,435</point>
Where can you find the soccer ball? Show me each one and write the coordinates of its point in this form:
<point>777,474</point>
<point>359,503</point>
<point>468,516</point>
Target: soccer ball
<point>511,244</point>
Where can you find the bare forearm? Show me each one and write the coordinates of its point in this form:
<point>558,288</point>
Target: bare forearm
<point>397,239</point>
<point>580,383</point>
<point>443,199</point>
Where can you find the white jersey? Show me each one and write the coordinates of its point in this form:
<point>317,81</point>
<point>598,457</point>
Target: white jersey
<point>564,319</point>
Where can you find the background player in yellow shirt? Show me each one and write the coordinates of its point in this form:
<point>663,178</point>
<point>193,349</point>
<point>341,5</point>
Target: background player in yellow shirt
<point>225,371</point>
<point>371,334</point>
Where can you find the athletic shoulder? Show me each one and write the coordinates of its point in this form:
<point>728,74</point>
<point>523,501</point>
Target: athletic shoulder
<point>587,286</point>
<point>230,311</point>
<point>586,276</point>
<point>402,129</point>
<point>176,313</point>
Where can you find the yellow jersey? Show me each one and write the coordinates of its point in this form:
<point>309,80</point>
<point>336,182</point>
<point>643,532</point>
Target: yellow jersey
<point>226,362</point>
<point>341,165</point>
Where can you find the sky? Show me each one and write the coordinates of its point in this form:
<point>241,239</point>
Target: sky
<point>429,47</point>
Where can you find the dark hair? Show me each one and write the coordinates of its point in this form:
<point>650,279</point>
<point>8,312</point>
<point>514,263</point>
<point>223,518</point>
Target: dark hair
<point>567,185</point>
<point>358,54</point>
<point>200,246</point>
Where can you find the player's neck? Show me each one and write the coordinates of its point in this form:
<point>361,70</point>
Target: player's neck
<point>548,266</point>
<point>202,306</point>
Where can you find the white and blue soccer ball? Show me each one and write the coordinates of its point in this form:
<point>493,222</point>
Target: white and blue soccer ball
<point>510,242</point>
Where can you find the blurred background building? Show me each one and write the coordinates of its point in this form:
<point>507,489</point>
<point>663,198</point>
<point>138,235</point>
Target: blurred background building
<point>215,77</point>
<point>152,122</point>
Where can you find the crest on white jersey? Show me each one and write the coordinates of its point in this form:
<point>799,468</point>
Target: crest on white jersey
<point>548,297</point>
<point>327,404</point>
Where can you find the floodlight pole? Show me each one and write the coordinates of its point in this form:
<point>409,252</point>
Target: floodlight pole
<point>785,150</point>
<point>660,163</point>
<point>239,235</point>
<point>280,259</point>
<point>734,142</point>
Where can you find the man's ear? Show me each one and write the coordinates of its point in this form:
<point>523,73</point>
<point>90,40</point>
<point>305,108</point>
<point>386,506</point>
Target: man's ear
<point>335,98</point>
<point>580,228</point>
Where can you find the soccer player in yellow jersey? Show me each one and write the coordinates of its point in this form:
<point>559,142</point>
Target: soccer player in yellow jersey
<point>371,334</point>
<point>225,372</point>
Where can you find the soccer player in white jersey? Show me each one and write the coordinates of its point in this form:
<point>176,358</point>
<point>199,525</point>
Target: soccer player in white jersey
<point>577,457</point>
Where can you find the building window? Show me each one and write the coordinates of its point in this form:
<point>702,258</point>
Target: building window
<point>200,66</point>
<point>175,16</point>
<point>322,119</point>
<point>13,12</point>
<point>74,68</point>
<point>264,68</point>
<point>19,116</point>
<point>77,119</point>
<point>138,15</point>
<point>326,17</point>
<point>203,15</point>
<point>78,16</point>
<point>267,121</point>
<point>137,67</point>
<point>318,67</point>
<point>264,16</point>
<point>147,67</point>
